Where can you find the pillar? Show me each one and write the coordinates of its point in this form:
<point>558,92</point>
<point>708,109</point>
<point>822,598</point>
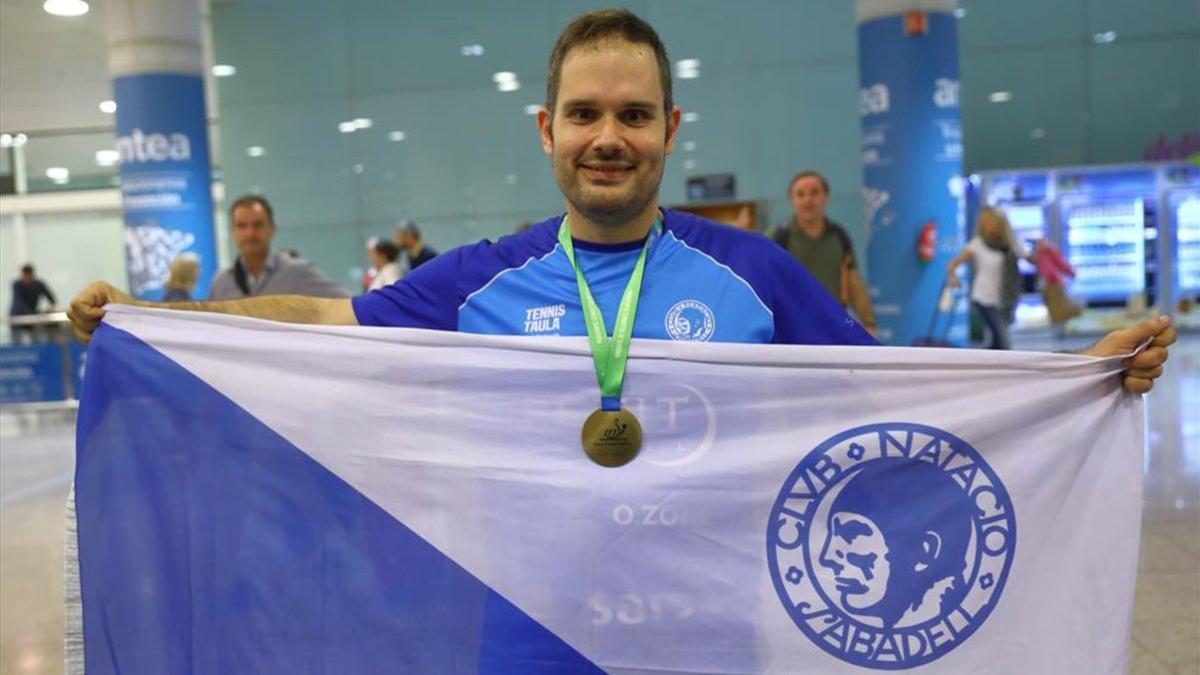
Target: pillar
<point>157,65</point>
<point>912,163</point>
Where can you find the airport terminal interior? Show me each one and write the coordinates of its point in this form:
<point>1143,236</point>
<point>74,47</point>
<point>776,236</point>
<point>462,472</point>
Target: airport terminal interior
<point>368,122</point>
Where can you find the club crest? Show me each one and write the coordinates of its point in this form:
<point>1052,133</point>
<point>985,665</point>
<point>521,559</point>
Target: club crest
<point>690,320</point>
<point>889,544</point>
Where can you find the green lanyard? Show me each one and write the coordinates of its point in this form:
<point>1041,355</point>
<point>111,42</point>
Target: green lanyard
<point>609,355</point>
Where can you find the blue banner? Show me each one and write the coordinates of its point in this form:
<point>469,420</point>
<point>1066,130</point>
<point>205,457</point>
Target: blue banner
<point>166,182</point>
<point>912,170</point>
<point>31,374</point>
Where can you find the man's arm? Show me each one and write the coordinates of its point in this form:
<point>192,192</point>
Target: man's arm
<point>87,309</point>
<point>45,290</point>
<point>860,300</point>
<point>854,290</point>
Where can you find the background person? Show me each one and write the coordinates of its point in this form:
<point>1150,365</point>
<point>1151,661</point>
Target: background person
<point>1053,271</point>
<point>996,287</point>
<point>185,269</point>
<point>369,273</point>
<point>27,292</point>
<point>384,255</point>
<point>258,270</point>
<point>408,239</point>
<point>823,246</point>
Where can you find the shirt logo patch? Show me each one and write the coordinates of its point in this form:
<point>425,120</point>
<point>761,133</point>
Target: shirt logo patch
<point>544,320</point>
<point>690,320</point>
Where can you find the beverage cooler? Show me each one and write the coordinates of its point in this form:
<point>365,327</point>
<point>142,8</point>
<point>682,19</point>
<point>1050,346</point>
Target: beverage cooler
<point>1187,235</point>
<point>1105,241</point>
<point>1109,234</point>
<point>1183,218</point>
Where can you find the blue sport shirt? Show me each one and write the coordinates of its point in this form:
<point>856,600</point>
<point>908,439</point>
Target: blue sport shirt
<point>703,281</point>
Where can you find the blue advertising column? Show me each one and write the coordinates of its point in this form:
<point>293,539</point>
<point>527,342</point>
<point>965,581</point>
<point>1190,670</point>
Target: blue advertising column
<point>156,61</point>
<point>912,165</point>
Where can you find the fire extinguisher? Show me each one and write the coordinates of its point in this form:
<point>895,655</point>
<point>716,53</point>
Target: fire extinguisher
<point>927,243</point>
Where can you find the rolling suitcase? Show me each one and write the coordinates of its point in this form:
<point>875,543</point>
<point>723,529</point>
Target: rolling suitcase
<point>944,305</point>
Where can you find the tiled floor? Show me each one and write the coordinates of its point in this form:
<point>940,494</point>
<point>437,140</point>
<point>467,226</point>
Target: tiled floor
<point>36,461</point>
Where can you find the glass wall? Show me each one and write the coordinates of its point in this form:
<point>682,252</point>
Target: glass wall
<point>1090,81</point>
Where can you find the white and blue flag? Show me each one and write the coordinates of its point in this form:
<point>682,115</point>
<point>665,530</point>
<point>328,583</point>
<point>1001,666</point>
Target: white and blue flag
<point>256,497</point>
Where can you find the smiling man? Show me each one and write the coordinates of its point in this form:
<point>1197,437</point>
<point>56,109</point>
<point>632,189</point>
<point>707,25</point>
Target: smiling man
<point>608,125</point>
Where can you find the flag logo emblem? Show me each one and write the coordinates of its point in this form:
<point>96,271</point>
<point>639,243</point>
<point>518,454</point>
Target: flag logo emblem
<point>889,544</point>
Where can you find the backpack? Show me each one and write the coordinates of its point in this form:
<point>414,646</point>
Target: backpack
<point>780,236</point>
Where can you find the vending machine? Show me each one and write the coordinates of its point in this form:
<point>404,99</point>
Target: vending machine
<point>1182,218</point>
<point>1186,207</point>
<point>1107,218</point>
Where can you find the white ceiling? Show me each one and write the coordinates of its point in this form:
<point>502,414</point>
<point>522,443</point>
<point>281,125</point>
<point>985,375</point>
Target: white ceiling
<point>53,75</point>
<point>53,70</point>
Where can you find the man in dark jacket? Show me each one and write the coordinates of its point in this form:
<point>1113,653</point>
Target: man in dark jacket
<point>408,239</point>
<point>27,291</point>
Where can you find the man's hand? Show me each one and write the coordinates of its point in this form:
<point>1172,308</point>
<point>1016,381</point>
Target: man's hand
<point>87,309</point>
<point>1141,370</point>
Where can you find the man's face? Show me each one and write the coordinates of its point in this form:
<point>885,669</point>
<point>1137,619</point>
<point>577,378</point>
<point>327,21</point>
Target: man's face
<point>809,199</point>
<point>400,238</point>
<point>252,230</point>
<point>858,556</point>
<point>609,136</point>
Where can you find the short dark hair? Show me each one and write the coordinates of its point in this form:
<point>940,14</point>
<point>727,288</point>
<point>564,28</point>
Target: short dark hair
<point>808,174</point>
<point>387,249</point>
<point>592,27</point>
<point>410,226</point>
<point>27,268</point>
<point>251,200</point>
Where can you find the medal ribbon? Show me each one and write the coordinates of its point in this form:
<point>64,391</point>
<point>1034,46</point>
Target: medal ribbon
<point>609,354</point>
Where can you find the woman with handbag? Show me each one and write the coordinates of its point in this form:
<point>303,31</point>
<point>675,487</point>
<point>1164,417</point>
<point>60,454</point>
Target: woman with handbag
<point>996,288</point>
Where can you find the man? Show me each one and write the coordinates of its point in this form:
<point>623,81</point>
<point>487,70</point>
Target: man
<point>823,246</point>
<point>408,239</point>
<point>608,124</point>
<point>258,271</point>
<point>27,292</point>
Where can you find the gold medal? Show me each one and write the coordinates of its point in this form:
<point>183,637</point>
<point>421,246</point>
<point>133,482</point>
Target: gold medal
<point>612,438</point>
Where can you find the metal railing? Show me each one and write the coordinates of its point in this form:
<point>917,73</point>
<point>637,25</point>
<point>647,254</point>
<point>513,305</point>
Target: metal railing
<point>42,366</point>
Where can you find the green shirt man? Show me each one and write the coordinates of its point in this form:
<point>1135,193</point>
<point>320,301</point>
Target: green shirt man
<point>823,246</point>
